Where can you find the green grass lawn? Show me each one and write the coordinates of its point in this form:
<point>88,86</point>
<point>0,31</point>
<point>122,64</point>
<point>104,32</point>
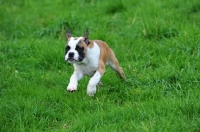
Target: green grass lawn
<point>157,42</point>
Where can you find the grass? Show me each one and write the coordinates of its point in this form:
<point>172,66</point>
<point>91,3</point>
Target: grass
<point>156,42</point>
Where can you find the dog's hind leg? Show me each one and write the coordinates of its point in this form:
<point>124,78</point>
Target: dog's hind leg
<point>114,64</point>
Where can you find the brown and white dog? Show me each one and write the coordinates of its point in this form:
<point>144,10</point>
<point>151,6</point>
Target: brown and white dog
<point>89,57</point>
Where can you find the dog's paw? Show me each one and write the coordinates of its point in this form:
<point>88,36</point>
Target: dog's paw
<point>91,93</point>
<point>69,89</point>
<point>91,90</point>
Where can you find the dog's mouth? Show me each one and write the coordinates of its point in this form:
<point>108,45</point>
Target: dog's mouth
<point>71,60</point>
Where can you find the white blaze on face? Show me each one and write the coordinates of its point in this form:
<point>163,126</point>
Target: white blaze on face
<point>72,44</point>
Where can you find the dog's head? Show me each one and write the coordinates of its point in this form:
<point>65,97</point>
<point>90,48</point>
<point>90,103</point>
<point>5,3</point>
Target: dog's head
<point>76,47</point>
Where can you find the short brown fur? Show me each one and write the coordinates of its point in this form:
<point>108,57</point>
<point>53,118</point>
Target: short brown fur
<point>107,55</point>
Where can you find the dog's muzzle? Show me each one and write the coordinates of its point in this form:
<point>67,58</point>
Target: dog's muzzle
<point>71,55</point>
<point>71,58</point>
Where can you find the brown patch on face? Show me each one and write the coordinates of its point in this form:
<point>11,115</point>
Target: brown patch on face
<point>81,43</point>
<point>81,48</point>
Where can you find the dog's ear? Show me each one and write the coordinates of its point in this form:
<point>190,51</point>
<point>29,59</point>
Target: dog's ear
<point>85,37</point>
<point>68,35</point>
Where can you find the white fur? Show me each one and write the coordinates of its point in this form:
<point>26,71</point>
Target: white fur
<point>88,67</point>
<point>72,86</point>
<point>91,88</point>
<point>90,63</point>
<point>72,43</point>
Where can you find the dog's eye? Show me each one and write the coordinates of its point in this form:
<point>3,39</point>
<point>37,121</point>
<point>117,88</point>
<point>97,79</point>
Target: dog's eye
<point>67,49</point>
<point>78,48</point>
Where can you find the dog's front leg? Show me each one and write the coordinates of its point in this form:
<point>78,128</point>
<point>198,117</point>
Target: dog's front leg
<point>72,86</point>
<point>91,88</point>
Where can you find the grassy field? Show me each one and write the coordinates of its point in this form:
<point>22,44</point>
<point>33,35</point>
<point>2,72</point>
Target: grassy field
<point>157,42</point>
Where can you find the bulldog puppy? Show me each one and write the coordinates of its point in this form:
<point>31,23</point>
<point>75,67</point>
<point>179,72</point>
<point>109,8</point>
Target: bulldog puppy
<point>89,57</point>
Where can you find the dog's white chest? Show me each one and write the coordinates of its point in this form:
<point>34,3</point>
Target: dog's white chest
<point>90,64</point>
<point>86,70</point>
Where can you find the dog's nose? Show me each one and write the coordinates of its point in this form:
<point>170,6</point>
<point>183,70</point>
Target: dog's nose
<point>71,54</point>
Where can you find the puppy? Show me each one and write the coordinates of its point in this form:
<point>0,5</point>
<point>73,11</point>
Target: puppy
<point>89,57</point>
